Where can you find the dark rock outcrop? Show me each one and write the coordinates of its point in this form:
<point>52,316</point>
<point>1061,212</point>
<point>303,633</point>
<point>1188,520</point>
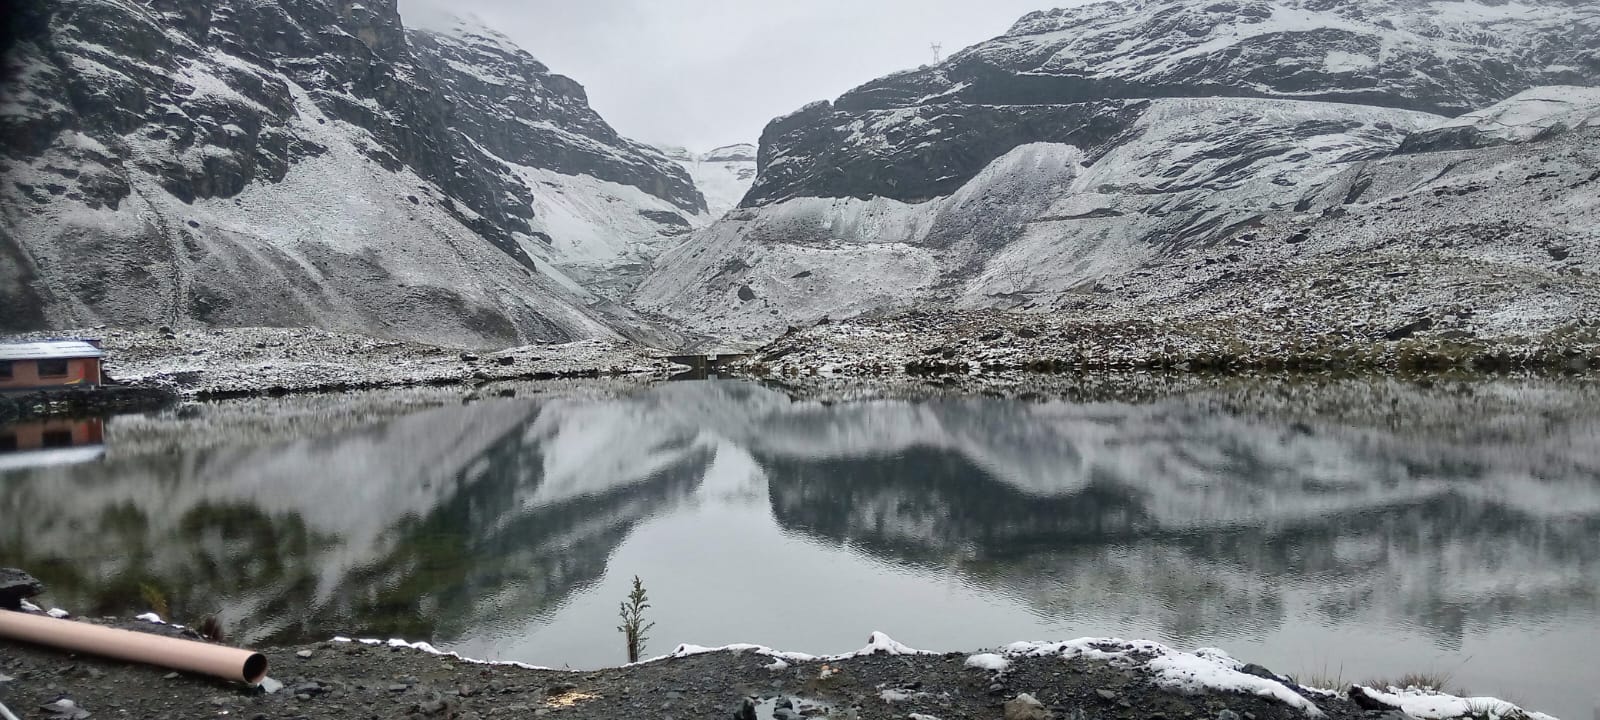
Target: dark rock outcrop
<point>513,106</point>
<point>827,150</point>
<point>16,586</point>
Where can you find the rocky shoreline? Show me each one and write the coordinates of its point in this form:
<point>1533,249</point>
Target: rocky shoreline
<point>83,402</point>
<point>153,368</point>
<point>945,343</point>
<point>371,679</point>
<point>902,353</point>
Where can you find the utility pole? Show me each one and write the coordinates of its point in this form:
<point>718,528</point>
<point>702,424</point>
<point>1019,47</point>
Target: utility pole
<point>938,52</point>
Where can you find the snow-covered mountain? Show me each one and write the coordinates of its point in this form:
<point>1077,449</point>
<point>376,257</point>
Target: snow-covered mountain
<point>322,163</point>
<point>723,175</point>
<point>1444,57</point>
<point>311,162</point>
<point>1054,162</point>
<point>1044,217</point>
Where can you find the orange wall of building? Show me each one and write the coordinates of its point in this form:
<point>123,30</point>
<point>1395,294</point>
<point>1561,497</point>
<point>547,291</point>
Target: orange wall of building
<point>25,374</point>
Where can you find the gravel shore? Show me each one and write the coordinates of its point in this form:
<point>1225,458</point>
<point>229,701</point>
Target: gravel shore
<point>238,362</point>
<point>993,344</point>
<point>354,680</point>
<point>907,353</point>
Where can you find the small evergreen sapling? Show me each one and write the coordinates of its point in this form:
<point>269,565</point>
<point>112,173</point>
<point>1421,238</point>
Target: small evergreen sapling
<point>633,626</point>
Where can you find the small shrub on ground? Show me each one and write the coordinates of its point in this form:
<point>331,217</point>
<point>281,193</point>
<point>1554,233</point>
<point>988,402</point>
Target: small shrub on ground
<point>633,626</point>
<point>155,599</point>
<point>1323,679</point>
<point>1436,681</point>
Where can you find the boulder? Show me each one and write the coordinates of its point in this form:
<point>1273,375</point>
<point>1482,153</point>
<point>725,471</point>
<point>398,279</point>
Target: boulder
<point>1366,700</point>
<point>16,586</point>
<point>1025,707</point>
<point>1409,329</point>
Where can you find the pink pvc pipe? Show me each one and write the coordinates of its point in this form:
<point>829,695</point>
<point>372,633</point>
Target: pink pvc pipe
<point>187,655</point>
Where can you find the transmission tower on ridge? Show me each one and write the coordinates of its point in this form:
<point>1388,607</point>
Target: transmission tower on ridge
<point>938,52</point>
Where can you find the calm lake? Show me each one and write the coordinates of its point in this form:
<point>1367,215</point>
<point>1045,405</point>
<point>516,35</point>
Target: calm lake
<point>1453,530</point>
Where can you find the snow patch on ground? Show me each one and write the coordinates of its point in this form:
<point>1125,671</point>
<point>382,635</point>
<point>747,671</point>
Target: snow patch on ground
<point>1426,705</point>
<point>1205,670</point>
<point>431,650</point>
<point>877,644</point>
<point>1339,61</point>
<point>1532,114</point>
<point>988,661</point>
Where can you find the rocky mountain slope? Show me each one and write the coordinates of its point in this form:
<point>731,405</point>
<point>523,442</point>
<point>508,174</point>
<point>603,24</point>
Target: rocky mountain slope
<point>602,205</point>
<point>1445,57</point>
<point>1060,165</point>
<point>723,175</point>
<point>1481,257</point>
<point>325,163</point>
<point>310,162</point>
<point>1541,113</point>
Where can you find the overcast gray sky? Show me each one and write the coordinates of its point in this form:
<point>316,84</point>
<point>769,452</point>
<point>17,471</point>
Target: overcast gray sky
<point>704,73</point>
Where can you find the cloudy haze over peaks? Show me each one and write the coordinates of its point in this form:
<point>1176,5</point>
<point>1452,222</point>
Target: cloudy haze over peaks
<point>704,73</point>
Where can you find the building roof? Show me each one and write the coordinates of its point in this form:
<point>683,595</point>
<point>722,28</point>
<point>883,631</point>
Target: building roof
<point>49,350</point>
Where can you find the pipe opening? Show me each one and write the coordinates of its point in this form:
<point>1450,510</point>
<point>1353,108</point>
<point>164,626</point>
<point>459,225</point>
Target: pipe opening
<point>255,668</point>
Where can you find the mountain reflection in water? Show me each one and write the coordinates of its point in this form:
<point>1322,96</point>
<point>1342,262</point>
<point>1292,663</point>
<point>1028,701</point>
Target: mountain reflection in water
<point>509,529</point>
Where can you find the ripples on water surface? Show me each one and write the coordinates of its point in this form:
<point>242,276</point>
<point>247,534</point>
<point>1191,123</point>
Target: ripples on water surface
<point>1456,531</point>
